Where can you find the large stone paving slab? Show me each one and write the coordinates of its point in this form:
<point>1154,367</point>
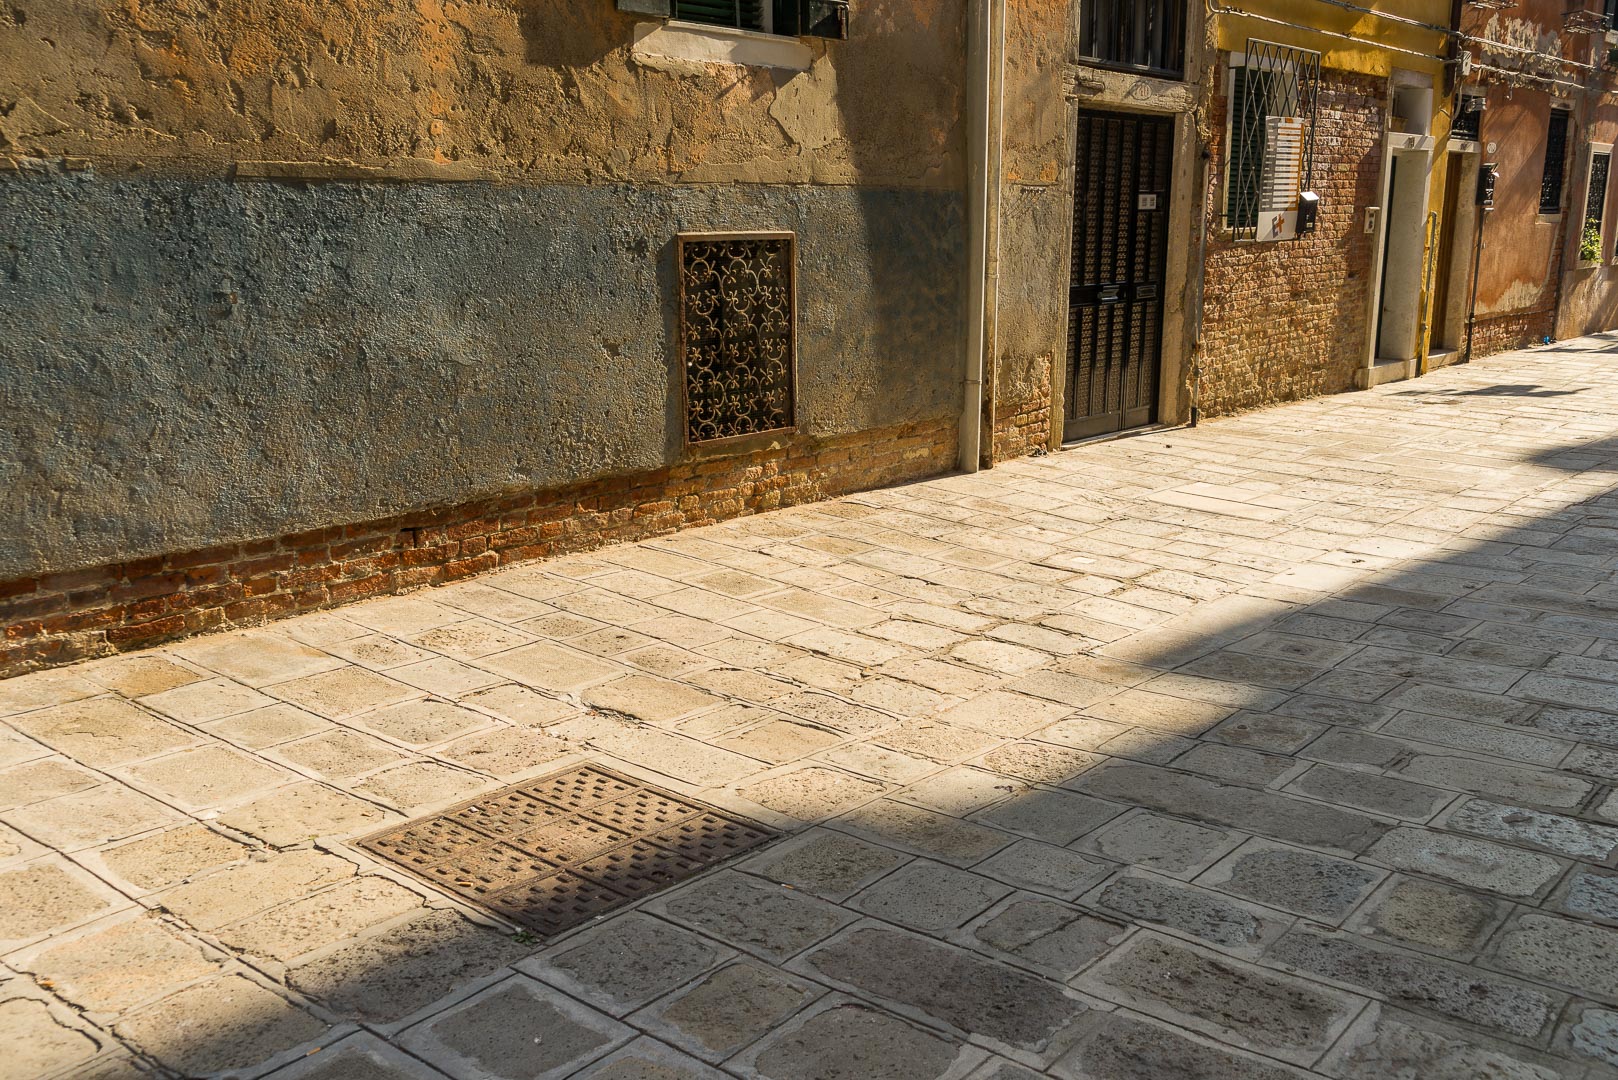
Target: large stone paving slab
<point>1284,746</point>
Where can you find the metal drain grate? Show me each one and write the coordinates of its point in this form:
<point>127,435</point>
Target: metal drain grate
<point>561,850</point>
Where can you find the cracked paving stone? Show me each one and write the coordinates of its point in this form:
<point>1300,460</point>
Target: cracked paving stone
<point>247,888</point>
<point>1302,882</point>
<point>103,732</point>
<point>1389,1047</point>
<point>1055,937</point>
<point>1154,842</point>
<point>1368,791</point>
<point>156,862</point>
<point>1190,910</point>
<point>37,1043</point>
<point>223,1024</point>
<point>1478,864</point>
<point>625,962</point>
<point>1421,982</point>
<point>728,1009</point>
<point>1596,1035</point>
<point>121,966</point>
<point>830,865</point>
<point>1029,864</point>
<point>406,967</point>
<point>311,922</point>
<point>1424,913</point>
<point>965,992</point>
<point>849,1041</point>
<point>926,895</point>
<point>754,915</point>
<point>1118,1046</point>
<point>44,896</point>
<point>1262,812</point>
<point>516,1029</point>
<point>1563,951</point>
<point>1265,1010</point>
<point>1535,828</point>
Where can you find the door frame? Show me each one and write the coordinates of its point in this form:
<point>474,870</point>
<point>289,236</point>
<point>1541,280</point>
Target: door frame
<point>1167,395</point>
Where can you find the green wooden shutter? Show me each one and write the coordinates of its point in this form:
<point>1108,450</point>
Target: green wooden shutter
<point>1249,110</point>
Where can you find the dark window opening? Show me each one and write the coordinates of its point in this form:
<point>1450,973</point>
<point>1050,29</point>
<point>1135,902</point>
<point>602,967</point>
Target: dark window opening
<point>1550,188</point>
<point>737,323</point>
<point>1141,35</point>
<point>1595,208</point>
<point>1469,117</point>
<point>790,18</point>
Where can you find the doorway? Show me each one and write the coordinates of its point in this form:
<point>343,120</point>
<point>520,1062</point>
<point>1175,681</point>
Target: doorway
<point>1120,256</point>
<point>1404,246</point>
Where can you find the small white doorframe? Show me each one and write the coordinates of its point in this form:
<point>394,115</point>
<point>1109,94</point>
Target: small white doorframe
<point>1415,154</point>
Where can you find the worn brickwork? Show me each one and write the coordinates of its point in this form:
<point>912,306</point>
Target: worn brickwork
<point>63,617</point>
<point>1021,427</point>
<point>1517,330</point>
<point>1287,320</point>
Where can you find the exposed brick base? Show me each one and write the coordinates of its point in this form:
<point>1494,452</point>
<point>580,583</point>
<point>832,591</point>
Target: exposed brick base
<point>1022,427</point>
<point>1518,330</point>
<point>63,617</point>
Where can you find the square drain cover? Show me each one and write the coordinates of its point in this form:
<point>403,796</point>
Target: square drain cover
<point>558,851</point>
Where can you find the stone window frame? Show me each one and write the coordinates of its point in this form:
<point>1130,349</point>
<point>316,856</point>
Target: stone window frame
<point>1595,153</point>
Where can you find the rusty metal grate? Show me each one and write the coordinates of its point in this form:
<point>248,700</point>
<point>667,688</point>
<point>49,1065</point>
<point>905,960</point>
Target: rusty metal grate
<point>558,851</point>
<point>737,317</point>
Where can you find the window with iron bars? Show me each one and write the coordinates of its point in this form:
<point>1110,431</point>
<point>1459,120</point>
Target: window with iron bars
<point>1595,205</point>
<point>1468,122</point>
<point>1140,35</point>
<point>791,18</point>
<point>1550,186</point>
<point>1270,158</point>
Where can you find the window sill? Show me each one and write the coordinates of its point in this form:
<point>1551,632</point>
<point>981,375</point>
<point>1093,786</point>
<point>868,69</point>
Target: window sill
<point>1548,219</point>
<point>700,43</point>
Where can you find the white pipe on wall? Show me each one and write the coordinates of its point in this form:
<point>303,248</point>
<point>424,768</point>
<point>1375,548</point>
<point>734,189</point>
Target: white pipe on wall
<point>985,79</point>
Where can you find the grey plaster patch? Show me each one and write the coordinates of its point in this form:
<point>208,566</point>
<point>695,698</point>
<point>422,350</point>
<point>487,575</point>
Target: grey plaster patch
<point>729,1009</point>
<point>1304,882</point>
<point>925,895</point>
<point>1421,982</point>
<point>1055,938</point>
<point>1479,864</point>
<point>831,865</point>
<point>1563,951</point>
<point>625,962</point>
<point>1264,1010</point>
<point>1535,828</point>
<point>952,987</point>
<point>1122,1046</point>
<point>754,915</point>
<point>1241,928</point>
<point>517,1029</point>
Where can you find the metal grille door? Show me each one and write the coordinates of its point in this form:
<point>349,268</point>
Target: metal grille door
<point>1120,251</point>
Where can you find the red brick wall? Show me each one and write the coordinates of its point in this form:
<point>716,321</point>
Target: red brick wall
<point>1287,320</point>
<point>64,617</point>
<point>1517,330</point>
<point>1023,427</point>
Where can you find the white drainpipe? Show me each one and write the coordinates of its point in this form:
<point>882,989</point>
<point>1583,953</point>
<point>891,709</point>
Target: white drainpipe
<point>986,82</point>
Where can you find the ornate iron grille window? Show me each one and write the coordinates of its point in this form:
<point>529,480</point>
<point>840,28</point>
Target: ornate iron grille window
<point>1468,123</point>
<point>737,341</point>
<point>1273,99</point>
<point>1595,206</point>
<point>1550,187</point>
<point>808,18</point>
<point>1141,35</point>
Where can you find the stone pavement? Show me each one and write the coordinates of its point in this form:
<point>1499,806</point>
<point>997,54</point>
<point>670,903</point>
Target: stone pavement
<point>1283,747</point>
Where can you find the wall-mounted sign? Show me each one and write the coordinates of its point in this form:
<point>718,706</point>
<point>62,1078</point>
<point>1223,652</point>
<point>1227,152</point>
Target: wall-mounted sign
<point>1147,202</point>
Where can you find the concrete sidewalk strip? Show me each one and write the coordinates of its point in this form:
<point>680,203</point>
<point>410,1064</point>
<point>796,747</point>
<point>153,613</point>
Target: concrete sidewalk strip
<point>1283,747</point>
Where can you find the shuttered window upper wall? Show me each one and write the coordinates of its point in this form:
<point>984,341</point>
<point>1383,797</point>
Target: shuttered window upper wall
<point>791,18</point>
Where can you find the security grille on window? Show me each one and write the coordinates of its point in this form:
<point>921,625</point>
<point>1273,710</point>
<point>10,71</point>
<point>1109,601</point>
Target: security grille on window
<point>793,18</point>
<point>1468,123</point>
<point>1271,160</point>
<point>1550,187</point>
<point>1141,35</point>
<point>737,323</point>
<point>1595,206</point>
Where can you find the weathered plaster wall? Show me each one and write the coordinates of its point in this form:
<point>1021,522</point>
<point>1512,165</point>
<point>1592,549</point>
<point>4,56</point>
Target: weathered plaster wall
<point>190,363</point>
<point>526,90</point>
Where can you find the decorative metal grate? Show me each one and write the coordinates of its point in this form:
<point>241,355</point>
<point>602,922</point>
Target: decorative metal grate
<point>737,322</point>
<point>1468,123</point>
<point>1550,185</point>
<point>557,851</point>
<point>1273,103</point>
